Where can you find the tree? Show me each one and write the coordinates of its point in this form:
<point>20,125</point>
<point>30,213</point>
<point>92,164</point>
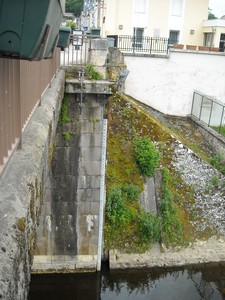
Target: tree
<point>211,16</point>
<point>74,6</point>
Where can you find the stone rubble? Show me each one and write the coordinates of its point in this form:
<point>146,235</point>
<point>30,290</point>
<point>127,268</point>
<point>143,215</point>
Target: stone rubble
<point>208,185</point>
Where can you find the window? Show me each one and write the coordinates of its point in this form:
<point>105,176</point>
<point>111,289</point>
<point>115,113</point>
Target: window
<point>174,37</point>
<point>140,6</point>
<point>138,37</point>
<point>177,7</point>
<point>208,40</point>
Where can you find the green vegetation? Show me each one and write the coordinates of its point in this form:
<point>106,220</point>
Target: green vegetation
<point>147,156</point>
<point>64,111</point>
<point>171,224</point>
<point>71,24</point>
<point>150,228</point>
<point>220,129</point>
<point>64,116</point>
<point>137,145</point>
<point>218,161</point>
<point>91,73</point>
<point>74,6</point>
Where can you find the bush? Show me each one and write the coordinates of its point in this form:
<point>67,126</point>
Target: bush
<point>131,192</point>
<point>146,155</point>
<point>149,228</point>
<point>116,211</point>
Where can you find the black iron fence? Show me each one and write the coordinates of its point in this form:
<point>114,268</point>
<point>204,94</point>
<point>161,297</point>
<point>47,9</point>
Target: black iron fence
<point>209,111</point>
<point>143,44</point>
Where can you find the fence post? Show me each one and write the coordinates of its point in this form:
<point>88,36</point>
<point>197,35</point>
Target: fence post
<point>151,45</point>
<point>221,120</point>
<point>210,115</point>
<point>193,100</point>
<point>200,113</point>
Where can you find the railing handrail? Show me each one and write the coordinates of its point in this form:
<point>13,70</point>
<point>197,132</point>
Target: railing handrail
<point>143,44</point>
<point>212,115</point>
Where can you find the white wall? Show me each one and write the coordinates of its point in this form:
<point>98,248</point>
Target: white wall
<point>167,84</point>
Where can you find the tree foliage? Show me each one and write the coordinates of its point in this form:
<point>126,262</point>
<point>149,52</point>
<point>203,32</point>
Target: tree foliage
<point>74,6</point>
<point>211,16</point>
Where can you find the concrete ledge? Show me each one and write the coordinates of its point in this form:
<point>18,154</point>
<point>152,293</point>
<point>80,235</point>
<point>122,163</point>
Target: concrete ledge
<point>64,263</point>
<point>200,252</point>
<point>90,86</point>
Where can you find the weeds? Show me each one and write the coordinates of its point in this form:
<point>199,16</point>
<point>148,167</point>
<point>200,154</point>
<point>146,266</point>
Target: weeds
<point>218,161</point>
<point>172,231</point>
<point>147,156</point>
<point>91,73</point>
<point>64,111</point>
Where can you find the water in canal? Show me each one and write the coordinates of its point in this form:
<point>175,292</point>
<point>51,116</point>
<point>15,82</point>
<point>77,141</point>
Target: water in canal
<point>168,284</point>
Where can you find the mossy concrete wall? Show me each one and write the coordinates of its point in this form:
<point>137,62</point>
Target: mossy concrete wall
<point>69,229</point>
<point>21,194</point>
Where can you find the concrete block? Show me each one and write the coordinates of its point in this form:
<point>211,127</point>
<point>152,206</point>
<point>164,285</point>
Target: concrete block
<point>90,154</point>
<point>91,140</point>
<point>90,181</point>
<point>88,195</point>
<point>90,168</point>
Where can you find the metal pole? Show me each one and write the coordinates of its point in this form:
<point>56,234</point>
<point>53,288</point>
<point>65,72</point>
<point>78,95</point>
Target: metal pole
<point>221,120</point>
<point>102,195</point>
<point>192,106</point>
<point>81,78</point>
<point>200,113</point>
<point>210,115</point>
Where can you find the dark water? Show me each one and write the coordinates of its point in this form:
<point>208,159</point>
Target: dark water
<point>155,284</point>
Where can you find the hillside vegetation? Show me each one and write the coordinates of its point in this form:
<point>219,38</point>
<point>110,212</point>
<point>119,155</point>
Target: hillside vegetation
<point>139,146</point>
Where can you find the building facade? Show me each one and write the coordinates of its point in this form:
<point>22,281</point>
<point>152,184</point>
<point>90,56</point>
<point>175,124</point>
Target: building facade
<point>179,20</point>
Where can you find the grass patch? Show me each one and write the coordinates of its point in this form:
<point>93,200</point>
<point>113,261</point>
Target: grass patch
<point>220,129</point>
<point>91,73</point>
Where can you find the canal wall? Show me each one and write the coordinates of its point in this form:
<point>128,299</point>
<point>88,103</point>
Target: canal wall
<point>70,227</point>
<point>21,194</point>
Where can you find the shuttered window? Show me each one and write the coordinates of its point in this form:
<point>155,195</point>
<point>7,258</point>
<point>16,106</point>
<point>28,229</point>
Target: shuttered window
<point>140,6</point>
<point>177,7</point>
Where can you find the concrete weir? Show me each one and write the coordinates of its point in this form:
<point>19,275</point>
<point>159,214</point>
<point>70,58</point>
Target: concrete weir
<point>70,230</point>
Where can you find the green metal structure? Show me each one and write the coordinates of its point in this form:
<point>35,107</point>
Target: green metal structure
<point>29,29</point>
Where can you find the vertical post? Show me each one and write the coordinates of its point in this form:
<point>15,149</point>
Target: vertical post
<point>193,100</point>
<point>210,115</point>
<point>221,121</point>
<point>200,113</point>
<point>102,194</point>
<point>81,78</point>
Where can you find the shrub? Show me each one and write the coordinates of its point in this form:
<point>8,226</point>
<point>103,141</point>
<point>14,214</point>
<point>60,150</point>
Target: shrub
<point>131,192</point>
<point>146,155</point>
<point>116,211</point>
<point>149,228</point>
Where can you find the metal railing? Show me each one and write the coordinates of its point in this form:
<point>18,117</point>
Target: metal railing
<point>143,45</point>
<point>78,51</point>
<point>208,110</point>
